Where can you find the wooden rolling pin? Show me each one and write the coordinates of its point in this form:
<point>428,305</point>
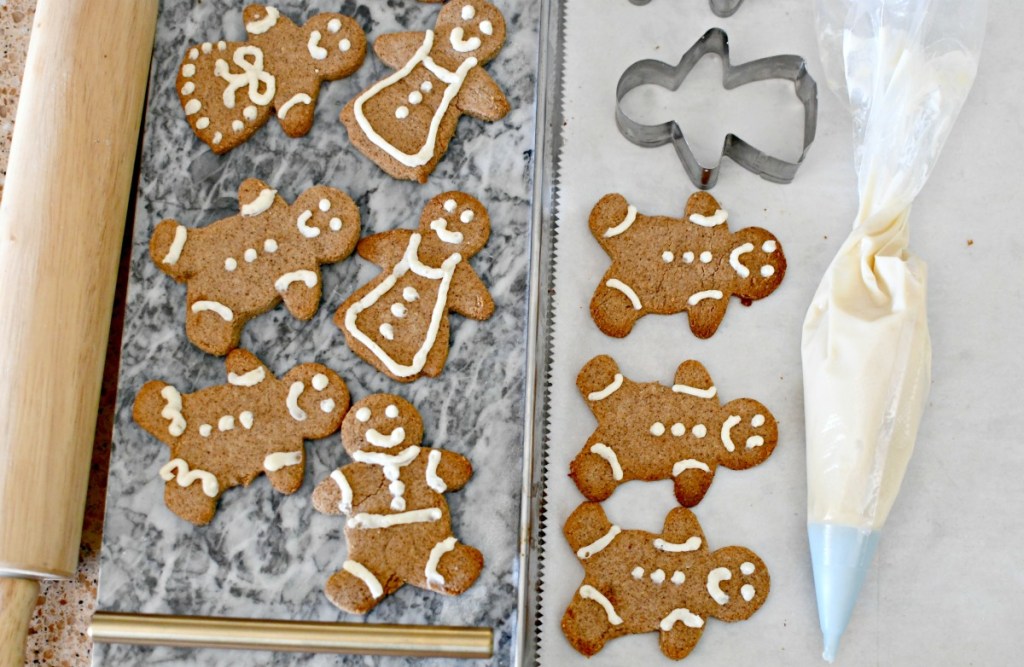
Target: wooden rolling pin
<point>61,224</point>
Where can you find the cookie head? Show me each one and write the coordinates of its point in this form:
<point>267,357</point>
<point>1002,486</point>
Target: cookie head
<point>336,44</point>
<point>749,434</point>
<point>470,28</point>
<point>758,261</point>
<point>382,423</point>
<point>455,222</point>
<point>317,399</point>
<point>738,582</point>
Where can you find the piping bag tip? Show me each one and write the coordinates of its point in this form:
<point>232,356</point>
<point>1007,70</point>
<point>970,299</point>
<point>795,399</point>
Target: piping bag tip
<point>840,557</point>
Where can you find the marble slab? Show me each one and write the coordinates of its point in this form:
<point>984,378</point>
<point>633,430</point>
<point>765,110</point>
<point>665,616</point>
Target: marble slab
<point>266,554</point>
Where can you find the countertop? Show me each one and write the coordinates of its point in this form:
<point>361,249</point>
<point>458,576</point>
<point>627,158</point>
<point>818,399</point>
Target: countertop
<point>57,635</point>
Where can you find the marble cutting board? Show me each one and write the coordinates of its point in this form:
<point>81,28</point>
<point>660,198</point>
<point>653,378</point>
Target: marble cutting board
<point>265,554</point>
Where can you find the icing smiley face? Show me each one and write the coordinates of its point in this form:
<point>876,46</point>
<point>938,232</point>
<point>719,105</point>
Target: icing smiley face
<point>382,423</point>
<point>471,28</point>
<point>454,222</point>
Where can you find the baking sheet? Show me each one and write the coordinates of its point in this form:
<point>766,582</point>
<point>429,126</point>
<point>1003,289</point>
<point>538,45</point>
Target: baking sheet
<point>265,554</point>
<point>946,583</point>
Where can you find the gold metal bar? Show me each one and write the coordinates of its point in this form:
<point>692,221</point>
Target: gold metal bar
<point>425,641</point>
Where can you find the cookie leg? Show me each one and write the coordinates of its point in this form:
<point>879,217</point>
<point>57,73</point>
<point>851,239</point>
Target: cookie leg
<point>593,475</point>
<point>189,502</point>
<point>612,310</point>
<point>677,642</point>
<point>209,329</point>
<point>300,298</point>
<point>357,589</point>
<point>288,478</point>
<point>458,568</point>
<point>706,316</point>
<point>691,485</point>
<point>586,626</point>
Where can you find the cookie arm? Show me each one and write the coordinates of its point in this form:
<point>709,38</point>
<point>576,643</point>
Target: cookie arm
<point>481,97</point>
<point>171,249</point>
<point>395,49</point>
<point>245,369</point>
<point>468,295</point>
<point>385,249</point>
<point>454,469</point>
<point>147,411</point>
<point>339,492</point>
<point>677,642</point>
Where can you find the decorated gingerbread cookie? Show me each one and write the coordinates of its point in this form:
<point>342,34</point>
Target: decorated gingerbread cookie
<point>405,121</point>
<point>668,265</point>
<point>398,322</point>
<point>638,582</point>
<point>647,431</point>
<point>244,265</point>
<point>224,436</point>
<point>229,89</point>
<point>399,530</point>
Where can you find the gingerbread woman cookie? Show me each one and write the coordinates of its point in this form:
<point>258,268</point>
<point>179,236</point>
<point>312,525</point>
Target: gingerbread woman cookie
<point>405,121</point>
<point>224,436</point>
<point>399,530</point>
<point>242,266</point>
<point>668,265</point>
<point>398,322</point>
<point>229,89</point>
<point>647,431</point>
<point>637,582</point>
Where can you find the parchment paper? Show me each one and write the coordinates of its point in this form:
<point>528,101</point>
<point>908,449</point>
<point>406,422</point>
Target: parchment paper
<point>946,585</point>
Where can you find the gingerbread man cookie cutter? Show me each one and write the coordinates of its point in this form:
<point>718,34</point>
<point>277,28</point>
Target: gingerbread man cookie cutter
<point>721,8</point>
<point>715,41</point>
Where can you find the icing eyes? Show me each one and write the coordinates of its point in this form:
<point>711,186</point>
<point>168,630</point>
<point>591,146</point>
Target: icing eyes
<point>767,270</point>
<point>320,382</point>
<point>450,206</point>
<point>363,414</point>
<point>757,421</point>
<point>467,216</point>
<point>486,28</point>
<point>468,12</point>
<point>747,568</point>
<point>391,411</point>
<point>769,246</point>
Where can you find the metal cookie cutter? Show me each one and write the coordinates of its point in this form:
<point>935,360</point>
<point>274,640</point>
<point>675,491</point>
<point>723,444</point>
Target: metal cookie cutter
<point>654,72</point>
<point>722,8</point>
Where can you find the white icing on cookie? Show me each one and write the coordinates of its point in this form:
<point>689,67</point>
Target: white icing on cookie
<point>174,252</point>
<point>697,297</point>
<point>616,284</point>
<point>747,568</point>
<point>261,203</point>
<point>251,77</point>
<point>188,69</point>
<point>705,257</point>
<point>769,246</point>
<point>333,26</point>
<point>245,419</point>
<point>468,12</point>
<point>292,401</point>
<point>364,520</point>
<point>391,412</point>
<point>193,107</point>
<point>695,391</point>
<point>748,592</point>
<point>252,378</point>
<point>757,421</point>
<point>607,391</point>
<point>359,571</point>
<point>172,411</point>
<point>304,228</point>
<point>658,576</point>
<point>387,331</point>
<point>302,275</point>
<point>626,223</point>
<point>689,464</point>
<point>264,24</point>
<point>683,614</point>
<point>767,270</point>
<point>598,545</point>
<point>718,218</point>
<point>692,544</point>
<point>363,414</point>
<point>434,481</point>
<point>187,477</point>
<point>320,382</point>
<point>727,432</point>
<point>345,504</point>
<point>606,453</point>
<point>434,578</point>
<point>734,259</point>
<point>688,257</point>
<point>667,256</point>
<point>344,45</point>
<point>678,430</point>
<point>440,227</point>
<point>249,255</point>
<point>399,460</point>
<point>467,216</point>
<point>203,122</point>
<point>205,430</point>
<point>277,460</point>
<point>297,98</point>
<point>657,429</point>
<point>393,439</point>
<point>399,310</point>
<point>700,430</point>
<point>410,294</point>
<point>638,573</point>
<point>226,423</point>
<point>450,205</point>
<point>214,307</point>
<point>327,405</point>
<point>714,585</point>
<point>486,28</point>
<point>455,38</point>
<point>588,592</point>
<point>410,262</point>
<point>454,81</point>
<point>316,52</point>
<point>754,441</point>
<point>678,577</point>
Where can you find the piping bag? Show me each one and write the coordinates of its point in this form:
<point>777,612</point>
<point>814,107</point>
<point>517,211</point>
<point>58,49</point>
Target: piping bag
<point>905,68</point>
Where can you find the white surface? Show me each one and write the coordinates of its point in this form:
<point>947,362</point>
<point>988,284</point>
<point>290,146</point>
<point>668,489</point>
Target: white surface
<point>947,582</point>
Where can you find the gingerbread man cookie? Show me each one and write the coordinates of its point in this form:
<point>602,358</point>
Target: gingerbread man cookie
<point>647,431</point>
<point>399,530</point>
<point>667,265</point>
<point>405,121</point>
<point>229,89</point>
<point>398,322</point>
<point>224,436</point>
<point>242,266</point>
<point>637,582</point>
